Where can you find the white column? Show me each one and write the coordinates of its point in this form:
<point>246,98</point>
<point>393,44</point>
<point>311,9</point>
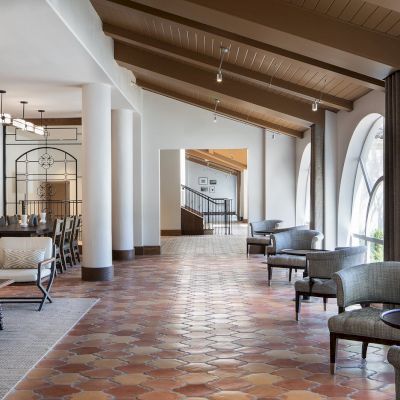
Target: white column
<point>122,184</point>
<point>96,182</point>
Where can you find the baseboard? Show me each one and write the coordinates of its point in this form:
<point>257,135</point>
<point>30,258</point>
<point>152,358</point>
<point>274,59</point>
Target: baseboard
<point>147,250</point>
<point>97,274</point>
<point>171,232</point>
<point>123,255</point>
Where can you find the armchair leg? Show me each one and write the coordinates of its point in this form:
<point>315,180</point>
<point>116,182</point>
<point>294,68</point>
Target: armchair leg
<point>290,274</point>
<point>269,275</point>
<point>333,345</point>
<point>298,305</point>
<point>46,291</point>
<point>247,251</point>
<point>364,350</point>
<point>325,301</point>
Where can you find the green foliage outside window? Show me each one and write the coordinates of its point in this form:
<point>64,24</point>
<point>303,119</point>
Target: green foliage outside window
<point>376,248</point>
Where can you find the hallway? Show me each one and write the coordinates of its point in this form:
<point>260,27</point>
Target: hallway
<point>170,328</point>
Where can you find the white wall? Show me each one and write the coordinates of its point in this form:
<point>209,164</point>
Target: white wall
<point>169,124</point>
<point>280,159</point>
<point>170,189</point>
<point>226,183</point>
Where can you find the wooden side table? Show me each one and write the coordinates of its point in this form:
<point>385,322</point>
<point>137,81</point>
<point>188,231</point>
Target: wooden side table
<point>3,283</point>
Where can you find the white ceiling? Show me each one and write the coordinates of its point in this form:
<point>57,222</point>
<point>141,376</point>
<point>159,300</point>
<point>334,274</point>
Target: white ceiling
<point>42,62</point>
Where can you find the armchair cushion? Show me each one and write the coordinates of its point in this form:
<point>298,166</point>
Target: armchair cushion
<point>266,225</point>
<point>287,260</point>
<point>22,259</point>
<point>303,239</point>
<point>26,243</point>
<point>23,275</point>
<point>320,286</point>
<point>363,322</point>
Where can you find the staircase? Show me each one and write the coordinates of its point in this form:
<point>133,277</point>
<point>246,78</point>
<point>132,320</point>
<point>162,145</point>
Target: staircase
<point>205,215</point>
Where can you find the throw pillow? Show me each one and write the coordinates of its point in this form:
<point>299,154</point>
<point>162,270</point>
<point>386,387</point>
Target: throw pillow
<point>22,259</point>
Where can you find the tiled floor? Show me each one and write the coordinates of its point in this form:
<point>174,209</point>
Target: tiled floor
<point>200,328</point>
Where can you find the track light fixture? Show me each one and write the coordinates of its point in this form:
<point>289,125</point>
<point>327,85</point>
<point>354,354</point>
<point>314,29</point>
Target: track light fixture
<point>215,109</point>
<point>223,51</point>
<point>316,102</point>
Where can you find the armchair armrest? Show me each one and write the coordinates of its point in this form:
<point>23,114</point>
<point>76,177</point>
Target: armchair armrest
<point>393,356</point>
<point>46,262</point>
<point>368,283</point>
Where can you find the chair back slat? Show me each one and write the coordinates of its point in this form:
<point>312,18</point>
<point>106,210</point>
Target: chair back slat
<point>77,227</point>
<point>67,230</point>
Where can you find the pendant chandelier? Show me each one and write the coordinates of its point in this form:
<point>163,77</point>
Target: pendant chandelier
<point>21,123</point>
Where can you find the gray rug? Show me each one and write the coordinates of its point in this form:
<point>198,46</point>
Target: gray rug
<point>28,335</point>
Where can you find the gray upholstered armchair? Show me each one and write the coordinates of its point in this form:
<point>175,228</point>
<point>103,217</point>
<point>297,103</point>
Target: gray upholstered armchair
<point>364,284</point>
<point>321,266</point>
<point>259,228</point>
<point>394,359</point>
<point>303,239</point>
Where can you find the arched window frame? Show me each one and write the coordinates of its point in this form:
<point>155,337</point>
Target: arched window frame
<point>372,188</point>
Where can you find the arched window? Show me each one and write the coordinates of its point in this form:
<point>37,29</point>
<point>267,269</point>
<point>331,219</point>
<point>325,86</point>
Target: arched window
<point>367,209</point>
<point>303,188</point>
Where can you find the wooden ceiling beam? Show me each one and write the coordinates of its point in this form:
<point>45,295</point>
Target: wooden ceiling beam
<point>207,157</point>
<point>56,121</point>
<point>226,161</point>
<point>218,167</point>
<point>134,38</point>
<point>318,28</point>
<point>366,81</point>
<point>221,109</point>
<point>130,56</point>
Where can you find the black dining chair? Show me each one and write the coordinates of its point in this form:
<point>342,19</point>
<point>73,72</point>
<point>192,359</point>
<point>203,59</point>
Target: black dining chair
<point>66,238</point>
<point>76,256</point>
<point>57,236</point>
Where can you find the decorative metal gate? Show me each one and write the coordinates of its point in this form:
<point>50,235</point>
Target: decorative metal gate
<point>36,172</point>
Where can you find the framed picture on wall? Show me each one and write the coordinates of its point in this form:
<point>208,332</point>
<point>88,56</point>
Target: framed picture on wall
<point>203,181</point>
<point>204,189</point>
<point>213,182</point>
<point>212,188</point>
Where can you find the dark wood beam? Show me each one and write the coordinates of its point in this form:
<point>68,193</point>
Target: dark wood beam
<point>201,161</point>
<point>319,28</point>
<point>130,56</point>
<point>56,121</point>
<point>367,81</point>
<point>134,38</point>
<point>221,109</point>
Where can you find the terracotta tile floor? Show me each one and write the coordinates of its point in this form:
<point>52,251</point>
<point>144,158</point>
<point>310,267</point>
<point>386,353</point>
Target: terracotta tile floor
<point>200,328</point>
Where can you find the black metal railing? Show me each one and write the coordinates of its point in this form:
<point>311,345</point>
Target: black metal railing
<point>52,208</point>
<point>216,212</point>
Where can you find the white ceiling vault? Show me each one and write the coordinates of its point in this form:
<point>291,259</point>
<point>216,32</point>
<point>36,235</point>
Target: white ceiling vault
<point>45,63</point>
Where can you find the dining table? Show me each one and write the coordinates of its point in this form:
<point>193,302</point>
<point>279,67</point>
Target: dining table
<point>18,230</point>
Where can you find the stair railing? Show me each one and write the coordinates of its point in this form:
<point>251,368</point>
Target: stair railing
<point>216,212</point>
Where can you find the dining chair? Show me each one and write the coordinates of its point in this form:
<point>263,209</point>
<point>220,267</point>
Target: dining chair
<point>76,256</point>
<point>66,238</point>
<point>12,219</point>
<point>57,237</point>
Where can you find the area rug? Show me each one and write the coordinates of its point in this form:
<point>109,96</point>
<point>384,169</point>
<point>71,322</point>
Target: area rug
<point>29,335</point>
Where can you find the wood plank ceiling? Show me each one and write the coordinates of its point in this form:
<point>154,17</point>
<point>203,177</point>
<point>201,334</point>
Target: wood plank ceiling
<point>177,55</point>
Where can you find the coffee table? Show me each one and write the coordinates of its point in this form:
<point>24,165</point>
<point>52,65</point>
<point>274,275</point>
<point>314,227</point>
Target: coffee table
<point>391,318</point>
<point>3,283</point>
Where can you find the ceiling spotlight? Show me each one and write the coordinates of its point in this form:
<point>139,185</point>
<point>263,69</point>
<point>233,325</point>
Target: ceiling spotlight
<point>316,102</point>
<point>215,109</point>
<point>223,51</point>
